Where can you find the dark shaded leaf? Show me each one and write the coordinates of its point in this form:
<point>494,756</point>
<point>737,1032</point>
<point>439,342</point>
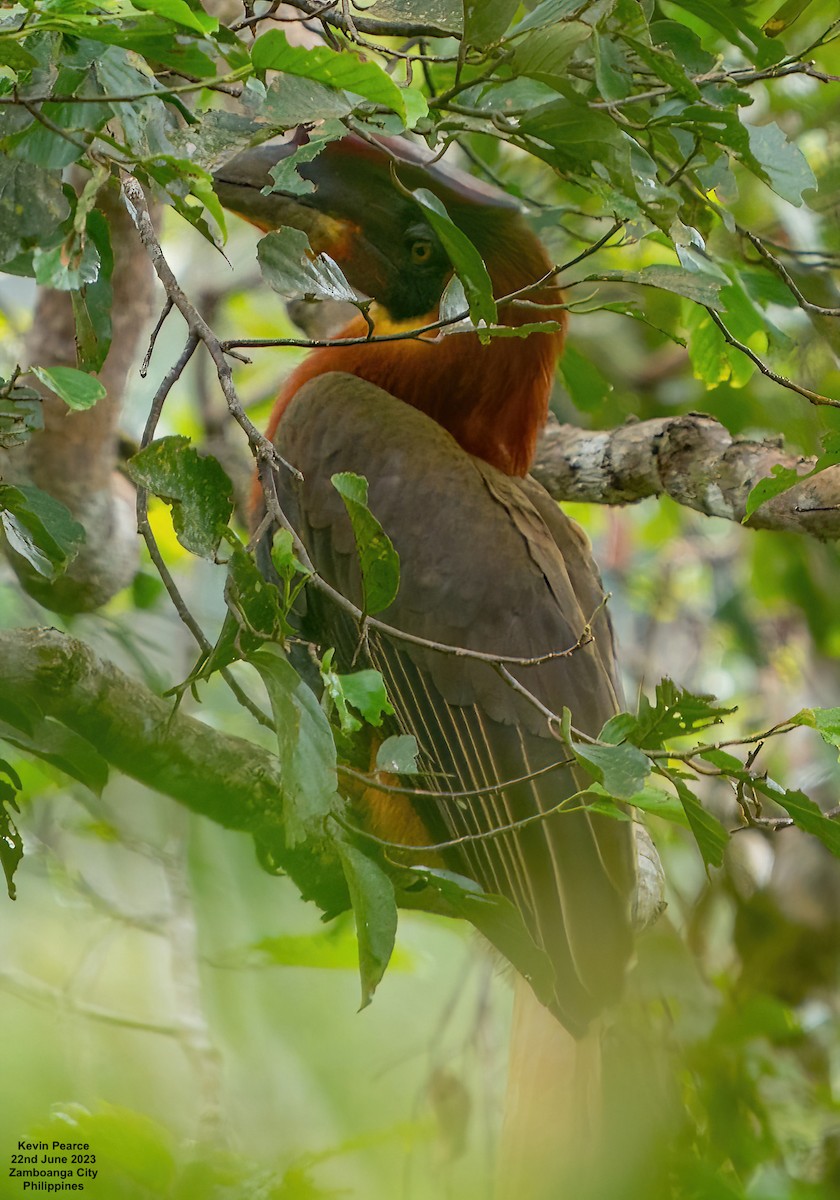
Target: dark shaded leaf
<point>11,843</point>
<point>32,205</point>
<point>21,414</point>
<point>675,712</point>
<point>62,748</point>
<point>485,21</point>
<point>40,529</point>
<point>710,835</point>
<point>378,560</point>
<point>305,746</point>
<point>501,923</point>
<point>375,911</point>
<point>584,382</point>
<point>464,257</point>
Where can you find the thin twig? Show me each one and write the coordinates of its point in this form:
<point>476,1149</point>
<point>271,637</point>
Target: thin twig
<point>814,397</point>
<point>147,357</point>
<point>380,785</point>
<point>484,836</point>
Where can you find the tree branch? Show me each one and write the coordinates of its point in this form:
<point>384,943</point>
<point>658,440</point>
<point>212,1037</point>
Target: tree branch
<point>229,779</point>
<point>75,456</point>
<point>694,460</point>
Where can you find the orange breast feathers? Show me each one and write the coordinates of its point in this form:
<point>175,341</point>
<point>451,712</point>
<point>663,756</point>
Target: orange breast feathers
<point>492,398</point>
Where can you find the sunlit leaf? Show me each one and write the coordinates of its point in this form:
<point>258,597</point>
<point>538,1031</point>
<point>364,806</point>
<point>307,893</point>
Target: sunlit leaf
<point>194,486</point>
<point>294,272</point>
<point>76,388</point>
<point>398,755</point>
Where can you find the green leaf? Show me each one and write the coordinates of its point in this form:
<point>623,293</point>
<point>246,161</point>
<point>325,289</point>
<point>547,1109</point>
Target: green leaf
<point>825,720</point>
<point>285,175</point>
<point>305,747</point>
<point>362,690</point>
<point>676,712</point>
<point>255,601</point>
<point>804,812</point>
<point>76,388</point>
<point>328,950</point>
<point>21,415</point>
<point>501,923</point>
<point>375,911</point>
<point>584,382</point>
<point>702,289</point>
<point>468,263</point>
<point>781,479</point>
<point>11,843</point>
<point>622,769</point>
<point>291,100</point>
<point>195,487</point>
<point>666,67</point>
<point>92,302</point>
<point>544,55</point>
<point>782,163</point>
<point>40,529</point>
<point>152,38</point>
<point>32,205</point>
<point>710,835</point>
<point>784,16</point>
<point>181,13</point>
<point>136,1153</point>
<point>398,755</point>
<point>485,21</point>
<point>378,560</point>
<point>62,748</point>
<point>272,51</point>
<point>290,268</point>
<point>547,13</point>
<point>66,266</point>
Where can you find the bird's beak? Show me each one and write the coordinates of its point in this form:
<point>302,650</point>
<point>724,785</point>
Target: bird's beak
<point>360,205</point>
<point>352,212</point>
<point>239,185</point>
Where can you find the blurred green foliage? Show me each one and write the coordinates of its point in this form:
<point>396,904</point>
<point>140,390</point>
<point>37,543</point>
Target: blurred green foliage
<point>161,996</point>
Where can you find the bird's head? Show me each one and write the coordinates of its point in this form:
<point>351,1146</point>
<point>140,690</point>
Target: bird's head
<point>362,214</point>
<point>493,397</point>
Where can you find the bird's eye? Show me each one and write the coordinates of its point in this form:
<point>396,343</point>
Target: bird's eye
<point>421,252</point>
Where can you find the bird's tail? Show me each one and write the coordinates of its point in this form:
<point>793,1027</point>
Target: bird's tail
<point>552,1119</point>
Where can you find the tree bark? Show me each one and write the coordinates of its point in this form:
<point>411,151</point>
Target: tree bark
<point>229,779</point>
<point>694,460</point>
<point>75,456</point>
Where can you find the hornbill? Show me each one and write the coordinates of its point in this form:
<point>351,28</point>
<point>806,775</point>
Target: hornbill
<point>444,429</point>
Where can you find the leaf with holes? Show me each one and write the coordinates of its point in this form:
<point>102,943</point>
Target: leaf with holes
<point>295,273</point>
<point>194,486</point>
